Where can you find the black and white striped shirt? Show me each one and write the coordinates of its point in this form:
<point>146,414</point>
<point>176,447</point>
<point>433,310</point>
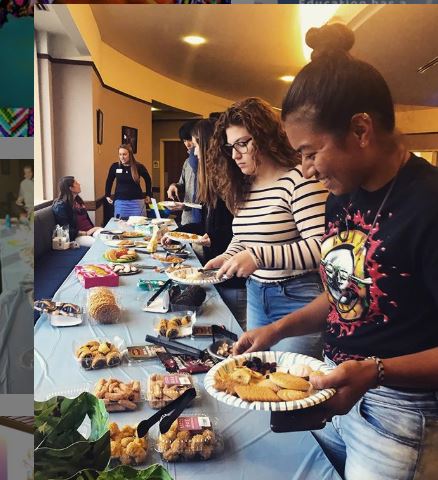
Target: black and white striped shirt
<point>282,226</point>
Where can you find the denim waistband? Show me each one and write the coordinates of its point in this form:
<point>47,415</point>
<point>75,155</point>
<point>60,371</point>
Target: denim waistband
<point>280,282</point>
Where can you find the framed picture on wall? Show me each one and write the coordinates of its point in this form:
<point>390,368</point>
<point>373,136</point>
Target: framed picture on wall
<point>99,123</point>
<point>129,135</point>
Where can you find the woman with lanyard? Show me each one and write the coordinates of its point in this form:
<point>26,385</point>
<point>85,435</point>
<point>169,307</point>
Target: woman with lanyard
<point>257,174</point>
<point>379,266</point>
<point>129,200</point>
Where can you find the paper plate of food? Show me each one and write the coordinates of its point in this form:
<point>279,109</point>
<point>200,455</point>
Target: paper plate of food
<point>122,270</point>
<point>195,276</point>
<point>120,243</point>
<point>184,237</point>
<point>167,259</point>
<point>132,234</point>
<point>276,381</point>
<point>120,255</point>
<point>137,220</point>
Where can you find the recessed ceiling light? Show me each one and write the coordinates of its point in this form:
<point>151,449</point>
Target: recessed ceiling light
<point>154,109</point>
<point>194,40</point>
<point>287,78</point>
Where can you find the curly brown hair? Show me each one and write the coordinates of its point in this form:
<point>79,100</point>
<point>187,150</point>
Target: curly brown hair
<point>269,139</point>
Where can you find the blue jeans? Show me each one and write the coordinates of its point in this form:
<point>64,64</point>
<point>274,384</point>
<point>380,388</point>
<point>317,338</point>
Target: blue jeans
<point>126,208</point>
<point>388,435</point>
<point>268,302</point>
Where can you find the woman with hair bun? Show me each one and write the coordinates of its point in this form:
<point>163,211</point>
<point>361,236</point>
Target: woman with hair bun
<point>256,172</point>
<point>379,266</point>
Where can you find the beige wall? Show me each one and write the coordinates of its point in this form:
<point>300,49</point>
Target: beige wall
<point>414,119</point>
<point>73,125</point>
<point>118,110</point>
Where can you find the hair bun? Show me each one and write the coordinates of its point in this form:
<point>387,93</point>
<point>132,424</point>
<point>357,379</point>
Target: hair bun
<point>334,38</point>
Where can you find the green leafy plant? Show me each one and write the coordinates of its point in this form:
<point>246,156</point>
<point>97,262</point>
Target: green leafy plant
<point>62,453</point>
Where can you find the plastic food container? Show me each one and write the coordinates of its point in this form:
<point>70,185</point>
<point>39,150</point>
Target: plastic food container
<point>126,447</point>
<point>163,389</point>
<point>119,396</point>
<point>191,437</point>
<point>139,353</point>
<point>175,325</point>
<point>103,306</point>
<point>99,353</point>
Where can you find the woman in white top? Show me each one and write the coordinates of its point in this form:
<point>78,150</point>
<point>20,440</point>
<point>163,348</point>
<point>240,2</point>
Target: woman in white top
<point>25,195</point>
<point>259,177</point>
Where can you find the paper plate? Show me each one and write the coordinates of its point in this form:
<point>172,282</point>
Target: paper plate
<point>116,243</point>
<point>284,361</point>
<point>176,237</point>
<point>187,281</point>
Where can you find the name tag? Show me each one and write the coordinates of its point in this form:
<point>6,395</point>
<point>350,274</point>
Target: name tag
<point>119,170</point>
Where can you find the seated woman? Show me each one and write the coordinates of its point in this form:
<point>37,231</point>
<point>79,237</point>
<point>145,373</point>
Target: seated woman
<point>69,209</point>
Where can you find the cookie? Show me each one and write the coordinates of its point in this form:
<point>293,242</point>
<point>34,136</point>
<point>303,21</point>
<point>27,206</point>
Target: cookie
<point>288,395</point>
<point>269,384</point>
<point>290,382</point>
<point>300,370</point>
<point>254,393</point>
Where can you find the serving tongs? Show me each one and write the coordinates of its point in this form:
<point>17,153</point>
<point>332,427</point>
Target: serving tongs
<point>168,414</point>
<point>221,331</point>
<point>174,346</point>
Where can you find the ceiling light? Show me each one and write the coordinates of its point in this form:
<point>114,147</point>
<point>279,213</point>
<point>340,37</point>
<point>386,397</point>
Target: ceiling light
<point>194,40</point>
<point>287,78</point>
<point>154,109</point>
<point>312,17</point>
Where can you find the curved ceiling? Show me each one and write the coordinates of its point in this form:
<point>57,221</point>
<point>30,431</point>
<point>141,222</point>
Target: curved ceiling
<point>249,46</point>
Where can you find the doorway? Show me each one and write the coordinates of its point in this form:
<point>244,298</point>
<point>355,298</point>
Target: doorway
<point>173,154</point>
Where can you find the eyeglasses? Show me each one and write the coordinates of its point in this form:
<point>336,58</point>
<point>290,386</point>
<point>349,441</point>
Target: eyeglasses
<point>240,147</point>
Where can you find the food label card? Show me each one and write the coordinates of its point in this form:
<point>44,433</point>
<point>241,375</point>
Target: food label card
<point>176,380</point>
<point>193,423</point>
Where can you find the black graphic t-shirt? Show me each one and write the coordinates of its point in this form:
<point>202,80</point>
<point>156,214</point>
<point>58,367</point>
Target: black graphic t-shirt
<point>382,283</point>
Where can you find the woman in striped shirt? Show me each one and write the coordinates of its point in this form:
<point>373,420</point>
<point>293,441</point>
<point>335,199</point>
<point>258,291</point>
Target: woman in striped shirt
<point>279,217</point>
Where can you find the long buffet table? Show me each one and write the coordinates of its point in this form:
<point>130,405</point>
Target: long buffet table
<point>252,451</point>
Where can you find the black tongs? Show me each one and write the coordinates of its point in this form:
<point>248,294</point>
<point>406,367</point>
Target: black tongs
<point>174,346</point>
<point>166,415</point>
<point>221,331</point>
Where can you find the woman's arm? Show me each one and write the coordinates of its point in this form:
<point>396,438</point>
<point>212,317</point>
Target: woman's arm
<point>147,179</point>
<point>110,180</point>
<point>309,319</point>
<point>307,205</point>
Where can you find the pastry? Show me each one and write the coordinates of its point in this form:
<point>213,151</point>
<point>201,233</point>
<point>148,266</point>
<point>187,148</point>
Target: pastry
<point>288,395</point>
<point>290,382</point>
<point>254,393</point>
<point>102,306</point>
<point>181,443</point>
<point>126,447</point>
<point>162,389</point>
<point>99,361</point>
<point>113,359</point>
<point>96,354</point>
